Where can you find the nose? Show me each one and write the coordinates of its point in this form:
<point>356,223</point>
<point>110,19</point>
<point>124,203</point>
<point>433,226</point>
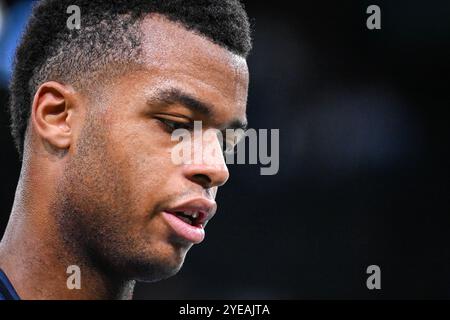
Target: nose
<point>208,176</point>
<point>211,171</point>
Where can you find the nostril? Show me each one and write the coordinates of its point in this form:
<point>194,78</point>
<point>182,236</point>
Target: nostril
<point>202,179</point>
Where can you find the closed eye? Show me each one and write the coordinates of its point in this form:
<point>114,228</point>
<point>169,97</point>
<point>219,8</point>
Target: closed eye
<point>227,145</point>
<point>171,125</point>
<point>231,138</point>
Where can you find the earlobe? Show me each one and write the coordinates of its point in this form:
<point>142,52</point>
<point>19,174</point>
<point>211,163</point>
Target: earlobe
<point>51,115</point>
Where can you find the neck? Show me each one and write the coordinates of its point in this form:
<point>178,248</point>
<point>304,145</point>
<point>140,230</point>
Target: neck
<point>36,258</point>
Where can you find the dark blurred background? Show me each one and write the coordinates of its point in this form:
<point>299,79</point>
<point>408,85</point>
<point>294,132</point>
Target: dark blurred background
<point>364,158</point>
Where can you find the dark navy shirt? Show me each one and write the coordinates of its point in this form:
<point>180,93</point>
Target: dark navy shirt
<point>7,291</point>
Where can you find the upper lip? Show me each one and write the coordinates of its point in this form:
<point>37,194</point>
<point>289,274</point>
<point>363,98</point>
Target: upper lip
<point>204,207</point>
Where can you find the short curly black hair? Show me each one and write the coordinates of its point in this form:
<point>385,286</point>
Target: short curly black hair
<point>109,33</point>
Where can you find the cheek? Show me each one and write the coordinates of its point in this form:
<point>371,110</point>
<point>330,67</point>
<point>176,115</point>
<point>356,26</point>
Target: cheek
<point>143,153</point>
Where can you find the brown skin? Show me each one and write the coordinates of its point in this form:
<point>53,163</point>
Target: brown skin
<point>97,170</point>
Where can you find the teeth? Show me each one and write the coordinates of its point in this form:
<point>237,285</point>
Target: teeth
<point>193,214</point>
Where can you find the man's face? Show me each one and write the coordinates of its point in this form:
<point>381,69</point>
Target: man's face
<point>120,188</point>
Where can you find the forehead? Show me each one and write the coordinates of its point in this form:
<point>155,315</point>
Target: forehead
<point>178,57</point>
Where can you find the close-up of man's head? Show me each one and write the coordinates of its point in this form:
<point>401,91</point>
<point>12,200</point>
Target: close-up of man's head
<point>93,108</point>
<point>201,151</point>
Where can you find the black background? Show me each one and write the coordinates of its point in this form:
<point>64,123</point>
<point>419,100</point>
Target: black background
<point>363,177</point>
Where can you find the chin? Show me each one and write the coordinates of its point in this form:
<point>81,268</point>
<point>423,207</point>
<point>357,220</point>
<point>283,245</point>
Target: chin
<point>158,271</point>
<point>157,266</point>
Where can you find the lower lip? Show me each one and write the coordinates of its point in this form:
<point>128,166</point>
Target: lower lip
<point>191,233</point>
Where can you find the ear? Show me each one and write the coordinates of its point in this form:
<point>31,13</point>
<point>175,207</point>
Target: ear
<point>52,113</point>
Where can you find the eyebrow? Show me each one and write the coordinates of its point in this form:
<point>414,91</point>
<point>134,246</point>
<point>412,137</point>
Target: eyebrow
<point>176,96</point>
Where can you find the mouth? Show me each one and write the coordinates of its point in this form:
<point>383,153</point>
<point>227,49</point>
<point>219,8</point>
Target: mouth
<point>189,219</point>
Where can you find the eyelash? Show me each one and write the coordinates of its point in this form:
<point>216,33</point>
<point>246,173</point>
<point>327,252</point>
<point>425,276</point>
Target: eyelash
<point>228,147</point>
<point>171,126</point>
